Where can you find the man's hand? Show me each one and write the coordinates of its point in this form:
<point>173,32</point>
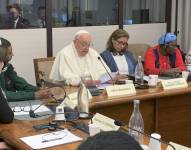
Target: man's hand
<point>91,82</point>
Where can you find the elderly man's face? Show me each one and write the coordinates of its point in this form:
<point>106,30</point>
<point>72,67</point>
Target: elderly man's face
<point>171,47</point>
<point>82,44</point>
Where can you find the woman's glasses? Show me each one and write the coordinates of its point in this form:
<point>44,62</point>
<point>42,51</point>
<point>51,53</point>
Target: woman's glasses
<point>121,43</point>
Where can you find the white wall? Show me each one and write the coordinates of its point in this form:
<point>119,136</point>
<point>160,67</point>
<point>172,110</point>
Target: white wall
<point>27,44</point>
<point>145,33</point>
<point>31,43</point>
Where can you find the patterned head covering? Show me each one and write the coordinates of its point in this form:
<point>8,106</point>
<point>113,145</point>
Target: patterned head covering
<point>167,38</point>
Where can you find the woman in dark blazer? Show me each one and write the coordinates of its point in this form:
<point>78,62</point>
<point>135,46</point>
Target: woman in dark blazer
<point>117,56</point>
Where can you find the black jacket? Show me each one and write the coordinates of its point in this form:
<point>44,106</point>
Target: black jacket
<point>6,114</point>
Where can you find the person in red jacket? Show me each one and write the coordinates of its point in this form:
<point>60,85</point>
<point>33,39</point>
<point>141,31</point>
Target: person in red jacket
<point>164,59</point>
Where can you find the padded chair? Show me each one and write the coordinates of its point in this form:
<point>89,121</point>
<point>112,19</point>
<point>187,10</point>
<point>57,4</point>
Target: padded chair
<point>138,49</point>
<point>42,67</point>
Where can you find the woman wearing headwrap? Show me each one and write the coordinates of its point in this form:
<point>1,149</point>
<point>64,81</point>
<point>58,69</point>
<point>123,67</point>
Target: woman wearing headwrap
<point>164,59</point>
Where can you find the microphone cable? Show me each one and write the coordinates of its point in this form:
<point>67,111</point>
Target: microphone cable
<point>123,125</point>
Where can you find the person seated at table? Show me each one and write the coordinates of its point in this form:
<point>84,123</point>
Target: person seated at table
<point>110,140</point>
<point>15,87</point>
<point>116,56</point>
<point>164,59</point>
<point>77,60</point>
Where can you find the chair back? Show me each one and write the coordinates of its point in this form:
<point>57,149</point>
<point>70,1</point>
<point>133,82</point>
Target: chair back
<point>42,68</point>
<point>138,49</point>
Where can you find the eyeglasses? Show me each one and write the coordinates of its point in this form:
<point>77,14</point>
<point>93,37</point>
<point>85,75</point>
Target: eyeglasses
<point>84,44</point>
<point>54,136</point>
<point>121,43</point>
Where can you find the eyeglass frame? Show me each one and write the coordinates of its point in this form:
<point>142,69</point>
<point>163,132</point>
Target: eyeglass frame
<point>84,44</point>
<point>121,43</point>
<point>54,134</point>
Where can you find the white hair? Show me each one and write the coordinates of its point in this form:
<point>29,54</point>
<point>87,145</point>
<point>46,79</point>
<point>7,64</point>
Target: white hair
<point>80,32</point>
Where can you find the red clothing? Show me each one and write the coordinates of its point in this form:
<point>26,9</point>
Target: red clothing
<point>149,61</point>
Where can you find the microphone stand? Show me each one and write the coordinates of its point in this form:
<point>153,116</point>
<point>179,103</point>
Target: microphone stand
<point>99,58</point>
<point>125,127</point>
<point>32,112</point>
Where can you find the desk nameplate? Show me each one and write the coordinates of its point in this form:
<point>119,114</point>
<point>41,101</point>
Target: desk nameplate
<point>174,84</point>
<point>120,90</point>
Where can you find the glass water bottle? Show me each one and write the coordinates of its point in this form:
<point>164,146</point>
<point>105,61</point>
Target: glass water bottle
<point>139,71</point>
<point>136,122</point>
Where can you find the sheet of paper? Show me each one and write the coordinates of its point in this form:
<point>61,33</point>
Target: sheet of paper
<point>103,86</point>
<point>105,77</point>
<point>177,147</point>
<point>50,139</point>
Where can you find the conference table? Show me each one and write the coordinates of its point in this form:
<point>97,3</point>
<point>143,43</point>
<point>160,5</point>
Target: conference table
<point>165,112</point>
<point>12,133</point>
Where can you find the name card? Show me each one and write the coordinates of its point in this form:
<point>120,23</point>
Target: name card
<point>120,90</point>
<point>174,83</point>
<point>104,123</point>
<point>72,99</point>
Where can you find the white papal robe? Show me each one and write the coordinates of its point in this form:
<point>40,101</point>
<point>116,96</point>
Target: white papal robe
<point>70,67</point>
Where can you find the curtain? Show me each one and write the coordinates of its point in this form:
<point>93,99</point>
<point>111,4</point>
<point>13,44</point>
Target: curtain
<point>184,24</point>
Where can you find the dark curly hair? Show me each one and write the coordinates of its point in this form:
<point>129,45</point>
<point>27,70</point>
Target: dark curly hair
<point>110,140</point>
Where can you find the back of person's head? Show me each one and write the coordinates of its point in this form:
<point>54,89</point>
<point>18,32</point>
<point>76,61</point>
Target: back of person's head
<point>4,44</point>
<point>116,35</point>
<point>111,140</point>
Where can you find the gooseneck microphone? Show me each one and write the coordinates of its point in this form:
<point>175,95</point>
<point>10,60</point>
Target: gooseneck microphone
<point>32,113</point>
<point>124,126</point>
<point>99,58</point>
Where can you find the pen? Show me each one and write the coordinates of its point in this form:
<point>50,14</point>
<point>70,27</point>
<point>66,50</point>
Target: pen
<point>50,140</point>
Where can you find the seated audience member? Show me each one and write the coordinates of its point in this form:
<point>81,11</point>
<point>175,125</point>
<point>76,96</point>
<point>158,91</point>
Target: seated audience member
<point>76,60</point>
<point>41,21</point>
<point>14,20</point>
<point>15,87</point>
<point>111,140</point>
<point>164,59</point>
<point>116,56</point>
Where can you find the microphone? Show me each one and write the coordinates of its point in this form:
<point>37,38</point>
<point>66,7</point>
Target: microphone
<point>123,125</point>
<point>99,58</point>
<point>32,112</point>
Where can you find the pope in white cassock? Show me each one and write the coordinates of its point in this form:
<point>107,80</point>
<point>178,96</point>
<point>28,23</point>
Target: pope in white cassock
<point>77,60</point>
